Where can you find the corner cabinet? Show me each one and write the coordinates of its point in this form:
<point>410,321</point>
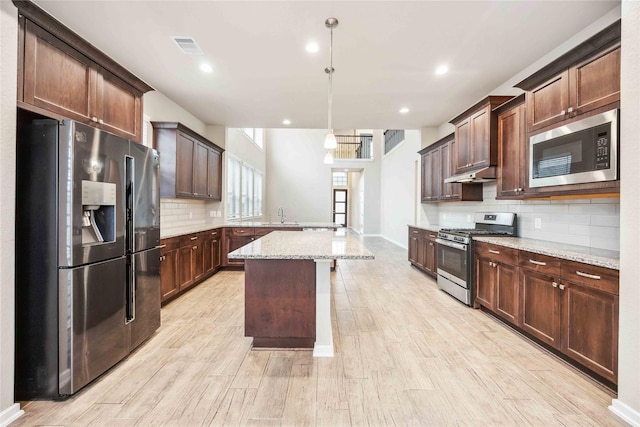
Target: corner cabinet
<point>476,135</point>
<point>438,164</point>
<point>63,76</point>
<point>190,164</point>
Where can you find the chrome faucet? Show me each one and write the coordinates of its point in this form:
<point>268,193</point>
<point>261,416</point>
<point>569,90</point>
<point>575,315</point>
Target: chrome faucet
<point>282,215</point>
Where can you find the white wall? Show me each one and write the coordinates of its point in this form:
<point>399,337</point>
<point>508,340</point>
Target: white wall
<point>356,201</point>
<point>628,402</point>
<point>162,109</point>
<point>8,67</point>
<point>397,188</point>
<point>297,179</point>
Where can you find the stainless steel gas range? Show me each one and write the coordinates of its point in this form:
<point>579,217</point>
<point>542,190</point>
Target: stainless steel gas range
<point>455,252</point>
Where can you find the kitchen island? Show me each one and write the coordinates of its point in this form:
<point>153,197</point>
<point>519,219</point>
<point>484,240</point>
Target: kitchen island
<point>288,287</point>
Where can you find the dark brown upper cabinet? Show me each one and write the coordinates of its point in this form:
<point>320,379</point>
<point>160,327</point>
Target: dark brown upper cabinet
<point>190,164</point>
<point>512,149</point>
<point>63,76</point>
<point>585,79</point>
<point>476,135</point>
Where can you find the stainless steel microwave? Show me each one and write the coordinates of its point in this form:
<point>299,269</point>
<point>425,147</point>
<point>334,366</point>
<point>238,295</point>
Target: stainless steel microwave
<point>579,152</point>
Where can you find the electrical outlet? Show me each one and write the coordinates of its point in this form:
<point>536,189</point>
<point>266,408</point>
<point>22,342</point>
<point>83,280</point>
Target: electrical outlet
<point>212,214</point>
<point>537,223</point>
<point>190,215</point>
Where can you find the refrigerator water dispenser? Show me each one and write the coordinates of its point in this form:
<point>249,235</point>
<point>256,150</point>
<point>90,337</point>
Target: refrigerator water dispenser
<point>98,212</point>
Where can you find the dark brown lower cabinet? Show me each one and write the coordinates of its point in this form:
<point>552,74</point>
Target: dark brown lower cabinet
<point>169,270</point>
<point>422,250</point>
<point>541,306</point>
<point>569,306</point>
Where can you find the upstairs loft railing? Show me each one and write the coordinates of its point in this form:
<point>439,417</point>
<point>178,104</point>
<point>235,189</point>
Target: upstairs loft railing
<point>392,137</point>
<point>354,147</point>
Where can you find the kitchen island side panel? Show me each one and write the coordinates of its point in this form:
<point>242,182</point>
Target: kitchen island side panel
<point>280,302</point>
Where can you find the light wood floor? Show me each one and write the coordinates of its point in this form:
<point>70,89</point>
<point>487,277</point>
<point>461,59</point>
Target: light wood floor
<point>407,354</point>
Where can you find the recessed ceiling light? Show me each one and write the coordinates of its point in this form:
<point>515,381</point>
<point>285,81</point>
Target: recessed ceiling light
<point>312,47</point>
<point>442,69</point>
<point>404,110</point>
<point>286,122</point>
<point>206,68</point>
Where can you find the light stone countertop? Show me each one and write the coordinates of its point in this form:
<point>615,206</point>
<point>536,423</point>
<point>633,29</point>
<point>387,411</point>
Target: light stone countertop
<point>173,232</point>
<point>600,257</point>
<point>435,228</point>
<point>304,245</point>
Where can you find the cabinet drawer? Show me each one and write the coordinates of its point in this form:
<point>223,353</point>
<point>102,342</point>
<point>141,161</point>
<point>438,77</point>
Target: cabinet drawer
<point>604,279</point>
<point>240,231</point>
<point>499,253</point>
<point>169,244</point>
<point>213,233</point>
<point>415,232</point>
<point>541,263</point>
<point>188,239</point>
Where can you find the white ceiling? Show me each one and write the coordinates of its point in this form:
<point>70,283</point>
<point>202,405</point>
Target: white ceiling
<point>385,54</point>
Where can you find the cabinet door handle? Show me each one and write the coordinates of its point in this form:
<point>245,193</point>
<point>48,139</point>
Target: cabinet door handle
<point>491,251</point>
<point>570,109</point>
<point>588,276</point>
<point>561,286</point>
<point>215,241</point>
<point>194,248</point>
<point>554,284</point>
<point>520,189</point>
<point>537,262</point>
<point>94,119</point>
<point>430,243</point>
<point>563,112</point>
<point>194,238</point>
<point>101,121</point>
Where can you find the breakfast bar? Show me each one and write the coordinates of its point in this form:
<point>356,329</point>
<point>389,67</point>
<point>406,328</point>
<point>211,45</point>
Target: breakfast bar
<point>288,287</point>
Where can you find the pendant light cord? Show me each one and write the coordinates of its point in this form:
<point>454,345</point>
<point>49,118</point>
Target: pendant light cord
<point>330,81</point>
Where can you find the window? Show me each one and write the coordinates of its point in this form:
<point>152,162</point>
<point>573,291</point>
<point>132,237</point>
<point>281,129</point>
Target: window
<point>244,190</point>
<point>255,135</point>
<point>257,194</point>
<point>339,179</point>
<point>233,187</point>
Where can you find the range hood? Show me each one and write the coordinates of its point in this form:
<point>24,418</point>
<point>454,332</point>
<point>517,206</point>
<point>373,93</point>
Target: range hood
<point>481,175</point>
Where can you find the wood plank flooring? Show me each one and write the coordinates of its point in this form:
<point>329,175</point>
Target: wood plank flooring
<point>406,354</point>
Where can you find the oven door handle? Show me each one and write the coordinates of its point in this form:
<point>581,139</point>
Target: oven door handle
<point>452,244</point>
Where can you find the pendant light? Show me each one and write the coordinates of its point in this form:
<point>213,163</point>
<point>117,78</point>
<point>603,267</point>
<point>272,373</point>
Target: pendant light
<point>330,142</point>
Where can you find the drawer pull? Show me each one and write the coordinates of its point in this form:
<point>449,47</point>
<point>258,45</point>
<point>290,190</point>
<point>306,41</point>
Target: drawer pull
<point>537,262</point>
<point>194,238</point>
<point>214,233</point>
<point>415,231</point>
<point>588,276</point>
<point>491,251</point>
<point>240,231</point>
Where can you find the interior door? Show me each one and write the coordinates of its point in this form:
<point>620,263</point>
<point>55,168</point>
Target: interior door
<point>340,207</point>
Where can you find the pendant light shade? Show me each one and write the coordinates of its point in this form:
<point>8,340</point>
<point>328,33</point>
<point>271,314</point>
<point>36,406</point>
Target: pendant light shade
<point>330,142</point>
<point>328,158</point>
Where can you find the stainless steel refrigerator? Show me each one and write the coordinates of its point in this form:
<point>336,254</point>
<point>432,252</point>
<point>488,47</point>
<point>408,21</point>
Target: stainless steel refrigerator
<point>87,254</point>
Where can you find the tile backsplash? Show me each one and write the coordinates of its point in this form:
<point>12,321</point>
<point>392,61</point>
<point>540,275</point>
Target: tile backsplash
<point>586,222</point>
<point>176,214</point>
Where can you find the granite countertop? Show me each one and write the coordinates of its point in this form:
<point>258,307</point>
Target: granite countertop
<point>304,245</point>
<point>600,257</point>
<point>173,232</point>
<point>435,228</point>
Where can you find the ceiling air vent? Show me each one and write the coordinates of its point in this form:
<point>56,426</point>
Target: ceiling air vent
<point>188,45</point>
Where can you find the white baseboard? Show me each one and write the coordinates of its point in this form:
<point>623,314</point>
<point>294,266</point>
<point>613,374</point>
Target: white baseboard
<point>322,350</point>
<point>626,412</point>
<point>355,230</point>
<point>394,242</point>
<point>372,235</point>
<point>10,414</point>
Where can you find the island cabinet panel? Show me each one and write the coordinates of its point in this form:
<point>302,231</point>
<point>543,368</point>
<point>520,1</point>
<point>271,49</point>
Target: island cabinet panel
<point>63,76</point>
<point>190,164</point>
<point>280,302</point>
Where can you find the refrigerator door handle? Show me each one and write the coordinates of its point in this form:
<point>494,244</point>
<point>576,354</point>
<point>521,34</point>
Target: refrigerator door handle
<point>130,197</point>
<point>131,291</point>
